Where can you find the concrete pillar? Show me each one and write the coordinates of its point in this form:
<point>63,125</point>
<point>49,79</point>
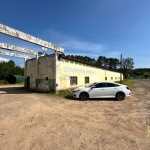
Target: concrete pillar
<point>25,72</point>
<point>37,67</point>
<point>37,72</point>
<point>57,73</point>
<point>25,68</point>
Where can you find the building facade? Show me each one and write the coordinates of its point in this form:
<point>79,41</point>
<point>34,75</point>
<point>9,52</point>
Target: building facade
<point>57,72</point>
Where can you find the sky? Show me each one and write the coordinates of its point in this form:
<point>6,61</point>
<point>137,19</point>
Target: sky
<point>82,27</point>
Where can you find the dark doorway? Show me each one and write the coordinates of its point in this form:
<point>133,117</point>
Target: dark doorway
<point>28,82</point>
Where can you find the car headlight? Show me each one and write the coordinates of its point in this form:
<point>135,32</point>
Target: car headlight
<point>76,91</point>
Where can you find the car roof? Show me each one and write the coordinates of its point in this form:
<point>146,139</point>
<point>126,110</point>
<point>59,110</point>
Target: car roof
<point>109,82</point>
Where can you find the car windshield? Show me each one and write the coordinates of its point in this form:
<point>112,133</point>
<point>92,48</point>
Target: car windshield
<point>91,84</point>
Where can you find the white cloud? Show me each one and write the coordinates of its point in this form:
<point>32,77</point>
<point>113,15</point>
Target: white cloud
<point>112,54</point>
<point>73,44</point>
<point>53,36</point>
<point>3,59</point>
<point>58,36</point>
<point>81,46</point>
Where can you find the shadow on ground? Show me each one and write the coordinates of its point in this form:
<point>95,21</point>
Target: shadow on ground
<point>15,90</point>
<point>91,99</point>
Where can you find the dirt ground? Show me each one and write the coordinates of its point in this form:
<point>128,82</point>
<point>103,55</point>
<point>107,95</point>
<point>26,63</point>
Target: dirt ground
<point>32,121</point>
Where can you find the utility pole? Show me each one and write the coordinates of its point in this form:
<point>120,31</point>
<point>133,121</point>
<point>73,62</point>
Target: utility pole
<point>120,68</point>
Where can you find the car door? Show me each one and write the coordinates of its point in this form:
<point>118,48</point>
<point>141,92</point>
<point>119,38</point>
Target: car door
<point>98,91</point>
<point>111,89</point>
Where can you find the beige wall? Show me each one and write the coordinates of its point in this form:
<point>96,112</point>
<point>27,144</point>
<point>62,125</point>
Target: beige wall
<point>70,68</point>
<point>60,71</point>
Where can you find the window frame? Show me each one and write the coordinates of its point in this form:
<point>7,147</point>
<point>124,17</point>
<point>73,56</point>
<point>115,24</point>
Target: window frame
<point>88,80</point>
<point>75,82</point>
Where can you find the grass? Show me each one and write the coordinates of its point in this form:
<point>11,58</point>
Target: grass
<point>20,83</point>
<point>68,93</point>
<point>3,82</point>
<point>62,94</point>
<point>127,82</point>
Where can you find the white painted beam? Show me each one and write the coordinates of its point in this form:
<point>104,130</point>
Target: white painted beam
<point>26,37</point>
<point>14,54</point>
<point>16,48</point>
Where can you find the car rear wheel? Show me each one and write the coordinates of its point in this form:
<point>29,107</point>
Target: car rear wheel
<point>120,96</point>
<point>84,96</point>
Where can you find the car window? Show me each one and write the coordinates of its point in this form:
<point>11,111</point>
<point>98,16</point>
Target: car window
<point>111,85</point>
<point>91,84</point>
<point>100,85</point>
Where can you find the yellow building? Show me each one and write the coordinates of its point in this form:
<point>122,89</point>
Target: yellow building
<point>58,72</point>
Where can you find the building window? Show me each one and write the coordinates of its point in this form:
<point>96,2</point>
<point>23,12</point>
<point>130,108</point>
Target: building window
<point>86,80</point>
<point>105,78</point>
<point>115,77</point>
<point>73,80</point>
<point>111,78</point>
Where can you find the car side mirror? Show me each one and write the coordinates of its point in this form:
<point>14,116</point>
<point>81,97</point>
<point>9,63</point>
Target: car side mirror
<point>93,87</point>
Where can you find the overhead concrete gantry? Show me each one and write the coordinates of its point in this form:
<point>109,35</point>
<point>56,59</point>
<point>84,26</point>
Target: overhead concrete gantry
<point>18,49</point>
<point>14,54</point>
<point>26,37</point>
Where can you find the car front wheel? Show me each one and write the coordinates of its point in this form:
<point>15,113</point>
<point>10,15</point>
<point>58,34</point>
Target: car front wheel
<point>84,96</point>
<point>120,96</point>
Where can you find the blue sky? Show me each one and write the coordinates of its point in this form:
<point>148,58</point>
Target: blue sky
<point>82,27</point>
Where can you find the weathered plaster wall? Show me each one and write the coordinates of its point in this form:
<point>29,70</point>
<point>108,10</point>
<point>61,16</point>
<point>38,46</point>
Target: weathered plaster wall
<point>42,77</point>
<point>57,72</point>
<point>46,67</point>
<point>46,73</point>
<point>31,72</point>
<point>70,68</point>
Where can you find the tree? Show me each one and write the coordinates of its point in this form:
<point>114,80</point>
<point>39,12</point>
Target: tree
<point>126,66</point>
<point>102,61</point>
<point>7,68</point>
<point>83,58</point>
<point>111,63</point>
<point>146,75</point>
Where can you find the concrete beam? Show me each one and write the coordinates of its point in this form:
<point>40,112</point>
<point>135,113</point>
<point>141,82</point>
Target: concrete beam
<point>14,54</point>
<point>16,48</point>
<point>26,37</point>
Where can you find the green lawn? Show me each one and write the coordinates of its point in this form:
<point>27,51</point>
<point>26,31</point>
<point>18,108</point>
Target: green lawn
<point>3,82</point>
<point>127,82</point>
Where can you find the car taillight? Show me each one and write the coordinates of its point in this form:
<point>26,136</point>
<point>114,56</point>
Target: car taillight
<point>127,88</point>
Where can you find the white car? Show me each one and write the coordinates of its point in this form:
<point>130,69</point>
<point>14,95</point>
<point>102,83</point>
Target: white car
<point>102,90</point>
